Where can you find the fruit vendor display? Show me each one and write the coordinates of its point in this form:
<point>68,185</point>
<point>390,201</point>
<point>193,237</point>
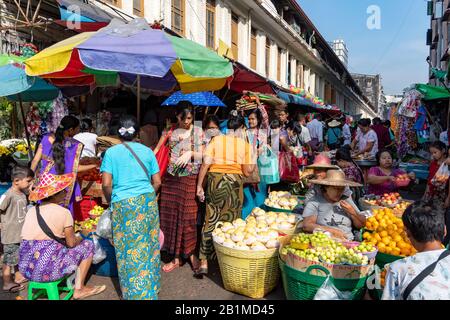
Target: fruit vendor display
<point>386,232</point>
<point>246,235</point>
<point>281,200</point>
<point>388,199</point>
<point>96,212</point>
<point>93,174</point>
<point>319,247</point>
<point>273,220</point>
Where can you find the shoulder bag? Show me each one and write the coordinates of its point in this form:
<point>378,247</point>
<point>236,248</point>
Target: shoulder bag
<point>425,273</point>
<point>254,178</point>
<point>163,154</point>
<point>47,229</point>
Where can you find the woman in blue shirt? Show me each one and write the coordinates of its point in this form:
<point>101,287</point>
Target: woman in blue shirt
<point>135,218</point>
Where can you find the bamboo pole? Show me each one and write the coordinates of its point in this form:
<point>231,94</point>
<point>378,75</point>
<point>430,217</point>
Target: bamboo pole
<point>138,99</point>
<point>27,134</point>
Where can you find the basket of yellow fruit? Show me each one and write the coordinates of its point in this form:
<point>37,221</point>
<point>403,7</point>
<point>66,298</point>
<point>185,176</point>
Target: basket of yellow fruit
<point>386,231</point>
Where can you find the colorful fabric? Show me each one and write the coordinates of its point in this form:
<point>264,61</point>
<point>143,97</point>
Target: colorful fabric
<point>48,260</point>
<point>383,136</point>
<point>72,157</point>
<point>60,110</point>
<point>179,209</point>
<point>431,193</point>
<point>51,184</point>
<point>353,173</point>
<point>386,187</point>
<point>129,179</point>
<point>224,199</point>
<point>179,145</point>
<point>135,224</point>
<point>434,287</point>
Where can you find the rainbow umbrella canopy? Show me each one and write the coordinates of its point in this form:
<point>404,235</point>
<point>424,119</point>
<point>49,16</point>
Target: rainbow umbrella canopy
<point>121,52</point>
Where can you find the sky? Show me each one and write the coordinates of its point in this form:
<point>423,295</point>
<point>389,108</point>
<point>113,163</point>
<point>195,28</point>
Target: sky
<point>397,50</point>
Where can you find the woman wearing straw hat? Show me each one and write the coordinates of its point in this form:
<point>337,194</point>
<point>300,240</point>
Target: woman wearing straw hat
<point>49,249</point>
<point>334,135</point>
<point>320,167</point>
<point>331,210</point>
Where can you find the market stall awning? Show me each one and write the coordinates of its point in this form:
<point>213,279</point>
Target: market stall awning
<point>301,101</point>
<point>245,79</point>
<point>432,92</point>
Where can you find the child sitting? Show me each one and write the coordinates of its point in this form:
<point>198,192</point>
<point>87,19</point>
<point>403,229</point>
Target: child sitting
<point>13,208</point>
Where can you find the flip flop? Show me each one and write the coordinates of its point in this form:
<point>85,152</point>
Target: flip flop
<point>93,292</point>
<point>22,282</point>
<point>14,289</point>
<point>170,267</point>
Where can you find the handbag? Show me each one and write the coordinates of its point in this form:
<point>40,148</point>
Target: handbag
<point>163,154</point>
<point>421,276</point>
<point>254,177</point>
<point>47,229</point>
<point>161,234</point>
<point>289,171</point>
<point>268,166</point>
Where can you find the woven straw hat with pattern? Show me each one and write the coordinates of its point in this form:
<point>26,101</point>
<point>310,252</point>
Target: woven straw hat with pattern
<point>51,184</point>
<point>336,178</point>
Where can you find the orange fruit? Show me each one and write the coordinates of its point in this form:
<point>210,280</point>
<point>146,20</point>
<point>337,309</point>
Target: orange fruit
<point>392,244</point>
<point>386,240</point>
<point>381,247</point>
<point>367,235</point>
<point>377,236</point>
<point>383,234</point>
<point>405,252</point>
<point>396,251</point>
<point>397,238</point>
<point>388,250</point>
<point>369,226</point>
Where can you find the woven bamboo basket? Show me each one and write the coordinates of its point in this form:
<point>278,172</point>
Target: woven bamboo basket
<point>250,273</point>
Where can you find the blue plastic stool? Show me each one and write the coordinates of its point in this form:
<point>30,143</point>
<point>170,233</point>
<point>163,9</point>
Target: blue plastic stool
<point>52,290</point>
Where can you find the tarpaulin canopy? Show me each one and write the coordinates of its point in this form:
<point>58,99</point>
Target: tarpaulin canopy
<point>432,92</point>
<point>136,49</point>
<point>245,79</point>
<point>301,101</point>
<point>206,99</point>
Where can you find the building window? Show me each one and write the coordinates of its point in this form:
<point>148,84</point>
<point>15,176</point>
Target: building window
<point>288,73</point>
<point>279,65</point>
<point>300,81</point>
<point>253,50</point>
<point>138,8</point>
<point>234,35</point>
<point>267,57</point>
<point>117,3</point>
<point>210,23</point>
<point>178,16</point>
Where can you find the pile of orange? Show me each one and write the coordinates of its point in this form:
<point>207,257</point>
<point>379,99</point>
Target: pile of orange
<point>385,231</point>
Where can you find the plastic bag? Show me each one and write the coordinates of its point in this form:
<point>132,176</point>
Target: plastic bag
<point>104,226</point>
<point>374,280</point>
<point>99,252</point>
<point>288,167</point>
<point>329,292</point>
<point>268,166</point>
<point>441,177</point>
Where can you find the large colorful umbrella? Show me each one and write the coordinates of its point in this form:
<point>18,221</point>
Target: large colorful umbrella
<point>125,51</point>
<point>205,99</point>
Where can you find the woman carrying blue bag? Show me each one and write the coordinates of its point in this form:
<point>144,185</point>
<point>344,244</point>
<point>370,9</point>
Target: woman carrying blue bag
<point>255,194</point>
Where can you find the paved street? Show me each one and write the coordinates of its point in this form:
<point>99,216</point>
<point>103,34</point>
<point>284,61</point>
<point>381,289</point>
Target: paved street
<point>180,284</point>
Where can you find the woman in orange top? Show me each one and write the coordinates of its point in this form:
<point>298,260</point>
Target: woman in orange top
<point>227,160</point>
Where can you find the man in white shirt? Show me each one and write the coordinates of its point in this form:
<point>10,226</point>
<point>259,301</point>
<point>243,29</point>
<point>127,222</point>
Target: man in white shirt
<point>425,227</point>
<point>347,134</point>
<point>87,138</point>
<point>315,128</point>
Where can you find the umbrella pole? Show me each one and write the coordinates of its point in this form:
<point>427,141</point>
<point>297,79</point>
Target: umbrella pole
<point>27,134</point>
<point>138,99</point>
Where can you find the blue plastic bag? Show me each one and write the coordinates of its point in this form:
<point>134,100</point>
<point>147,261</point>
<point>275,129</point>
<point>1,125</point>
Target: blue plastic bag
<point>268,166</point>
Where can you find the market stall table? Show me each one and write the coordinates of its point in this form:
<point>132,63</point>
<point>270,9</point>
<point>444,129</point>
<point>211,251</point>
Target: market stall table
<point>365,166</point>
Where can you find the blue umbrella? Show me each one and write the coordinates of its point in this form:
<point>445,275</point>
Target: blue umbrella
<point>206,99</point>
